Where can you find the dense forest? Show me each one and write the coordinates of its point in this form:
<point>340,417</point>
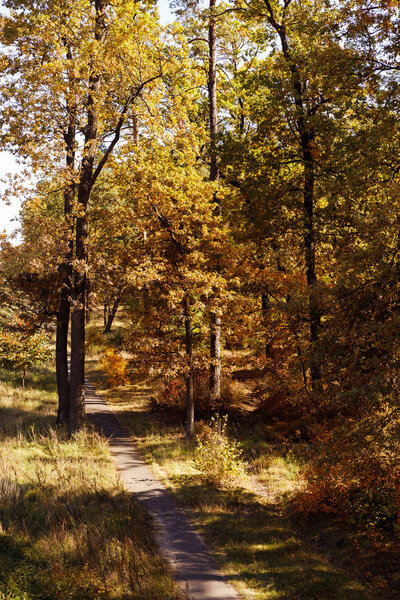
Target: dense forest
<point>216,213</point>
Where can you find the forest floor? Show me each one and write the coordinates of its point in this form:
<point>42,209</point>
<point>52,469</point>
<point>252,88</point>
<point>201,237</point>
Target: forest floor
<point>68,530</point>
<point>260,540</point>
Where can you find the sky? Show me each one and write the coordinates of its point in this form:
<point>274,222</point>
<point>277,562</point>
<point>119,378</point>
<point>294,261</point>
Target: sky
<point>8,163</point>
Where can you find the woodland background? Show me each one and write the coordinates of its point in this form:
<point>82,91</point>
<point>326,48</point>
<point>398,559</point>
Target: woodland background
<point>227,187</point>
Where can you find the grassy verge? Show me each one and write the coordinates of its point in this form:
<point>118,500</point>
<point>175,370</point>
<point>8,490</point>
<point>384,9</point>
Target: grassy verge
<point>67,528</point>
<point>259,540</point>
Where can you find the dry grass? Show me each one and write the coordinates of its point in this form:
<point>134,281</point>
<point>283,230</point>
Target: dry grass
<point>253,530</point>
<point>67,528</point>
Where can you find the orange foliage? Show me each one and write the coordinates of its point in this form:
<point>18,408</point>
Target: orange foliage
<point>361,488</point>
<point>115,368</point>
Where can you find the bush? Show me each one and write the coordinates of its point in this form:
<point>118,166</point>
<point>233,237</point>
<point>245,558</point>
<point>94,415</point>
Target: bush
<point>218,458</point>
<point>354,482</point>
<point>171,395</point>
<point>115,368</point>
<point>95,341</point>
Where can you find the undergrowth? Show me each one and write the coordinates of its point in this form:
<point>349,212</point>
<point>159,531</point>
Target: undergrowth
<point>219,458</point>
<point>262,544</point>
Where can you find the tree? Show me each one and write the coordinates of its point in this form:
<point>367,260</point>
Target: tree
<point>171,205</point>
<point>81,70</point>
<point>21,346</point>
<point>297,97</point>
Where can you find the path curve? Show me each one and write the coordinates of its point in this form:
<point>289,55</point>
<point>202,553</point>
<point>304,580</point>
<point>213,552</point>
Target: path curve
<point>182,548</point>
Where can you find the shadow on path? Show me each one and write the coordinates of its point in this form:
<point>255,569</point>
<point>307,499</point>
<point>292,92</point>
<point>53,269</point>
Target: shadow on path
<point>180,545</point>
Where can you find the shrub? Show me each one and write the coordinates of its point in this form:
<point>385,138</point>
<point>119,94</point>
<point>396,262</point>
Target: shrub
<point>172,394</point>
<point>218,458</point>
<point>115,368</point>
<point>354,482</point>
<point>94,341</point>
<point>234,394</point>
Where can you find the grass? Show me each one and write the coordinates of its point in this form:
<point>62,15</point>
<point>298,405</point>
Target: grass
<point>68,530</point>
<point>258,538</point>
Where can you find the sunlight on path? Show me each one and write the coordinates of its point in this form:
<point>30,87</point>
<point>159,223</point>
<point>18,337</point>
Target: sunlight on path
<point>181,546</point>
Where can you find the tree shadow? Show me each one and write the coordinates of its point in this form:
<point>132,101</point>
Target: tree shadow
<point>265,545</point>
<point>17,420</point>
<point>41,378</point>
<point>79,544</point>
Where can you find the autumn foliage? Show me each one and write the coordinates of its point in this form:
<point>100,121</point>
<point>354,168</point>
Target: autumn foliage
<point>114,367</point>
<point>262,193</point>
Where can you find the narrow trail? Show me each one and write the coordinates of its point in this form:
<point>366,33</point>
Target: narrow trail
<point>182,548</point>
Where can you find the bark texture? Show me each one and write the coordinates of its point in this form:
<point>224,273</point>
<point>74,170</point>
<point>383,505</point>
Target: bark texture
<point>62,357</point>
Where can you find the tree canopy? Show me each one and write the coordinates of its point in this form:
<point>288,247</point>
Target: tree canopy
<point>232,181</point>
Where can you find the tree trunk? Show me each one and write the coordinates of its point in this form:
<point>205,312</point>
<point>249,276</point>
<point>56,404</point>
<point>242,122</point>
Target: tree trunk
<point>215,355</point>
<point>86,182</point>
<point>307,137</point>
<point>88,310</point>
<point>78,316</point>
<point>135,129</point>
<point>190,374</point>
<point>212,93</point>
<point>62,357</point>
<point>105,313</point>
<point>113,312</point>
<point>265,309</point>
<point>63,314</point>
<point>215,319</point>
<point>77,377</point>
<point>241,116</point>
<point>309,252</point>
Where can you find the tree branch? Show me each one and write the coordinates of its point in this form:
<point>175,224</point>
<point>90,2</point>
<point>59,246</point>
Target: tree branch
<point>117,130</point>
<point>272,18</point>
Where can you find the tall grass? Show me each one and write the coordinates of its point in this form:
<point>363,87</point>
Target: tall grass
<point>68,530</point>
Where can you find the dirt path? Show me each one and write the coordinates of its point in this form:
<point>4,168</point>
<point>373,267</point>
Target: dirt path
<point>182,548</point>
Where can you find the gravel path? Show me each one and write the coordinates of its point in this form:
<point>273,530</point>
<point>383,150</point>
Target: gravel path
<point>182,548</point>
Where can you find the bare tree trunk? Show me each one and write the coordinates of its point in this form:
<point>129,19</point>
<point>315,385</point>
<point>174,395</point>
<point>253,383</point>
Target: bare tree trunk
<point>113,311</point>
<point>62,357</point>
<point>215,319</point>
<point>190,374</point>
<point>77,377</point>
